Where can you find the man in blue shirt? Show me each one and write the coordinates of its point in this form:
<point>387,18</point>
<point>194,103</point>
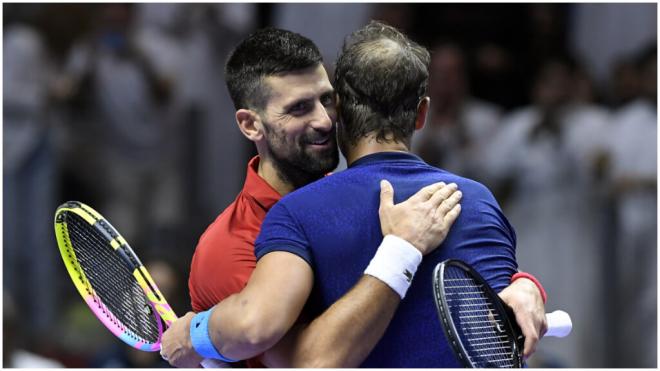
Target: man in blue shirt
<point>339,235</point>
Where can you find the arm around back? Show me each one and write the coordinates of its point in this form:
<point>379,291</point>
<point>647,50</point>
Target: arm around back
<point>345,334</point>
<point>248,323</point>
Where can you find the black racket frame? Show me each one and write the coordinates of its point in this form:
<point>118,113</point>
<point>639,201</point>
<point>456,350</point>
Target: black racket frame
<point>447,324</point>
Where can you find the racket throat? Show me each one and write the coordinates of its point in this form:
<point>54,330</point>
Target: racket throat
<point>133,264</point>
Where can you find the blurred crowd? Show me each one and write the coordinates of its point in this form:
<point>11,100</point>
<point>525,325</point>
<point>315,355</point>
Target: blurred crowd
<point>123,107</point>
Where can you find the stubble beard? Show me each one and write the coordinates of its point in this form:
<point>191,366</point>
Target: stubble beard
<point>298,167</point>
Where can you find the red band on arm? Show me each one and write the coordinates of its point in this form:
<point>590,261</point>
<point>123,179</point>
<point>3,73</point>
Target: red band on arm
<point>533,279</point>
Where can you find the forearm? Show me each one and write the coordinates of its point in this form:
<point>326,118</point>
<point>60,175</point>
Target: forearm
<point>345,333</point>
<point>238,330</point>
<point>248,323</point>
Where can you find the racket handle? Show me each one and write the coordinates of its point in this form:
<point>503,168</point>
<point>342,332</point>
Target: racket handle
<point>559,324</point>
<point>214,363</point>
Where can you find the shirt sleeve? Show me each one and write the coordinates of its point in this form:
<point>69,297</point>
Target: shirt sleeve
<point>220,268</point>
<point>280,231</point>
<point>489,241</point>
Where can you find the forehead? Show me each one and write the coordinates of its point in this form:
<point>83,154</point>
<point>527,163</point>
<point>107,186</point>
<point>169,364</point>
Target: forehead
<point>309,82</point>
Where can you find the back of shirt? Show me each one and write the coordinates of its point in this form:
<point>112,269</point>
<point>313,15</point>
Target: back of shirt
<point>333,224</point>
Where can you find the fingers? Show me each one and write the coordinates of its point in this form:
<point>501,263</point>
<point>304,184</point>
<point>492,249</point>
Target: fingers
<point>539,327</point>
<point>436,192</point>
<point>529,330</point>
<point>526,324</point>
<point>531,340</point>
<point>450,202</point>
<point>451,216</point>
<point>386,194</point>
<point>429,191</point>
<point>442,194</point>
<point>524,299</point>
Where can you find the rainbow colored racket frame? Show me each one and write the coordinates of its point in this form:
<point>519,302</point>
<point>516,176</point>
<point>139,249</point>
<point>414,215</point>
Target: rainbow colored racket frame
<point>161,309</point>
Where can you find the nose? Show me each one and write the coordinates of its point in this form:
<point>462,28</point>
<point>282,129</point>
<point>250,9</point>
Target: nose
<point>324,117</point>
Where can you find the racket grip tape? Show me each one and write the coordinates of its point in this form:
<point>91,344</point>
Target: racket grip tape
<point>559,324</point>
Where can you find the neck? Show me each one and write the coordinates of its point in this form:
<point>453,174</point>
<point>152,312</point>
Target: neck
<point>369,145</point>
<point>269,173</point>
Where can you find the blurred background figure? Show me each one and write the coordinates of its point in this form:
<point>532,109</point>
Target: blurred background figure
<point>13,338</point>
<point>202,112</point>
<point>541,167</point>
<point>29,173</point>
<point>624,82</point>
<point>125,126</point>
<point>396,15</point>
<point>459,125</point>
<point>124,107</point>
<point>633,187</point>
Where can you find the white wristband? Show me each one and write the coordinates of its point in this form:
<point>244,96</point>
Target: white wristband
<point>395,263</point>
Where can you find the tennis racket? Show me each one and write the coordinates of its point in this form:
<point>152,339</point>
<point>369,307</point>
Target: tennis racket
<point>112,280</point>
<point>479,326</point>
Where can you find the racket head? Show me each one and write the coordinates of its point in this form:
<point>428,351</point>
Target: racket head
<point>475,321</point>
<point>110,277</point>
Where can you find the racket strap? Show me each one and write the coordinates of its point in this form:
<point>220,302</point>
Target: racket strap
<point>201,340</point>
<point>395,263</point>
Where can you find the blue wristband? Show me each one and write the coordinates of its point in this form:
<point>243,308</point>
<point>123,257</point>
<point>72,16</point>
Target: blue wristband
<point>201,341</point>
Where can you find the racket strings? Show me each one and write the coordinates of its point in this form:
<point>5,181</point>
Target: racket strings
<point>116,291</point>
<point>482,329</point>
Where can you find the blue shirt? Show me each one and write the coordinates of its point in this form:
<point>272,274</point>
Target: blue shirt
<point>333,224</point>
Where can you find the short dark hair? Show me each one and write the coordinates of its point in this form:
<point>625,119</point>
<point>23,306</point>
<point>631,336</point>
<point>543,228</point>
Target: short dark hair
<point>380,77</point>
<point>267,52</point>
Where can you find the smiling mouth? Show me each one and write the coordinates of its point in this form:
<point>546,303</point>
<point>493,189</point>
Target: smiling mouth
<point>320,142</point>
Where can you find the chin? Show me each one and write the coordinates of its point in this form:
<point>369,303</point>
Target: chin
<point>327,161</point>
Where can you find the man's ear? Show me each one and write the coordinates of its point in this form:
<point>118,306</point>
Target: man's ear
<point>422,112</point>
<point>249,122</point>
